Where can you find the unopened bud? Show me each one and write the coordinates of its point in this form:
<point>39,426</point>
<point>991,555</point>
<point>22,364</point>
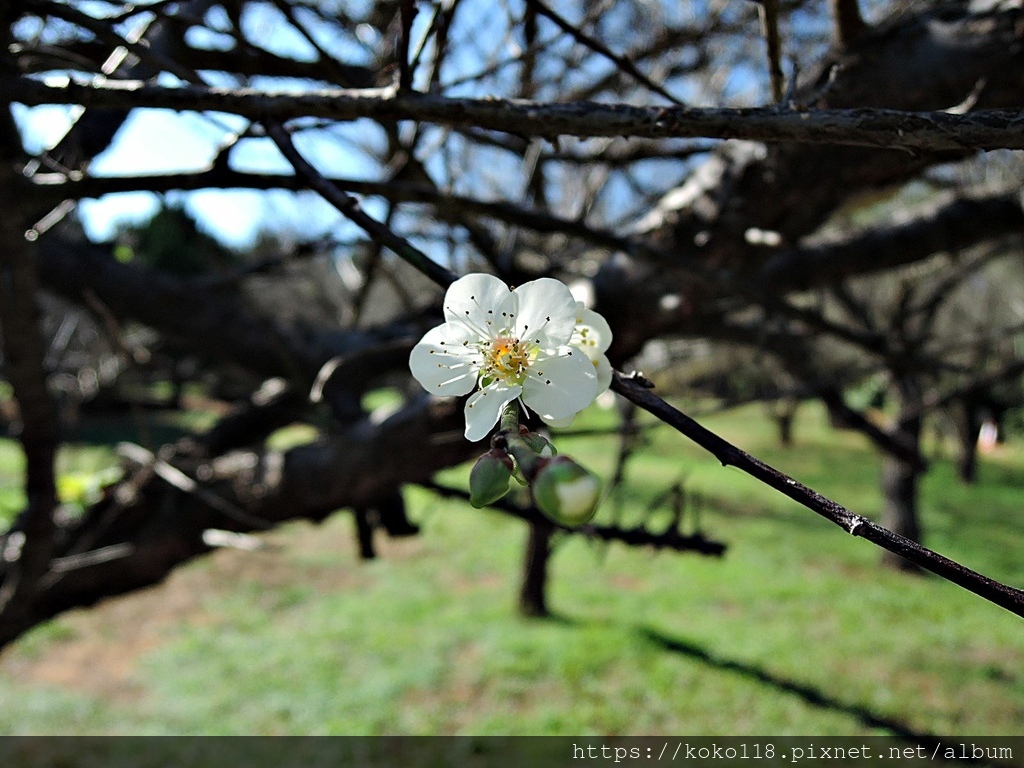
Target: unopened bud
<point>538,443</point>
<point>566,492</point>
<point>489,478</point>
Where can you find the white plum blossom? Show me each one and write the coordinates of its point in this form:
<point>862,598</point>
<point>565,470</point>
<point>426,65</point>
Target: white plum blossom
<point>592,336</point>
<point>529,343</point>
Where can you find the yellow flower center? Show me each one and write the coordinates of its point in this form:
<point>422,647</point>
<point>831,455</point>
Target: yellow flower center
<point>508,359</point>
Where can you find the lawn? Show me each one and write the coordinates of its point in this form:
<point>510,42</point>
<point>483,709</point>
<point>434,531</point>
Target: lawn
<point>795,631</point>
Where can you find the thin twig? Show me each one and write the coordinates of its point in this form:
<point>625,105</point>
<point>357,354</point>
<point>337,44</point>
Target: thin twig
<point>622,63</point>
<point>1002,595</point>
<point>349,207</point>
<point>769,13</point>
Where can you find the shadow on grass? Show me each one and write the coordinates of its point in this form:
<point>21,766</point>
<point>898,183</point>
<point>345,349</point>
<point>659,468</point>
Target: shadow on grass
<point>809,694</point>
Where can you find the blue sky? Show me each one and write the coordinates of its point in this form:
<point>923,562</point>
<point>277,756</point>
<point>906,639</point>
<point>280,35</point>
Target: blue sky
<point>160,141</point>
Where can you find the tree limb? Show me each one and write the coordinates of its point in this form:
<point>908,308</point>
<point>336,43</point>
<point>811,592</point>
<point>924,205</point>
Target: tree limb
<point>946,227</point>
<point>865,127</point>
<point>856,525</point>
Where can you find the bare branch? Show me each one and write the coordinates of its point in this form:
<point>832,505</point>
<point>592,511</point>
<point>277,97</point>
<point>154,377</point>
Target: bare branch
<point>856,525</point>
<point>768,10</point>
<point>349,207</point>
<point>623,64</point>
<point>186,309</point>
<point>949,226</point>
<point>407,13</point>
<point>244,60</point>
<point>881,128</point>
<point>638,536</point>
<point>846,21</point>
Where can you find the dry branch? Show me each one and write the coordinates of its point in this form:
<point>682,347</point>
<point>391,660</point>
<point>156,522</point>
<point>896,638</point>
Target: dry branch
<point>885,128</point>
<point>856,525</point>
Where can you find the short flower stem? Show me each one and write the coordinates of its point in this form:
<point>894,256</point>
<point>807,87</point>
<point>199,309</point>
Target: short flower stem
<point>527,460</point>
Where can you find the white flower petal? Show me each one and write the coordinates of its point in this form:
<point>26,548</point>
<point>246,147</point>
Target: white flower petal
<point>445,362</point>
<point>471,301</point>
<point>484,407</point>
<point>559,423</point>
<point>603,369</point>
<point>546,314</point>
<point>560,385</point>
<point>597,328</point>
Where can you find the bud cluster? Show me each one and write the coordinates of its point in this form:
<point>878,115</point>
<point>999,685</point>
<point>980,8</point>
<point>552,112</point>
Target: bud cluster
<point>562,489</point>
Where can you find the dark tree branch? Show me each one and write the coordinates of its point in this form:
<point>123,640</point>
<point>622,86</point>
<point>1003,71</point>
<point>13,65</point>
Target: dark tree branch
<point>185,309</point>
<point>243,60</point>
<point>768,10</point>
<point>846,21</point>
<point>971,386</point>
<point>151,61</point>
<point>53,188</point>
<point>336,72</point>
<point>883,128</point>
<point>407,15</point>
<point>621,62</point>
<point>348,206</point>
<point>856,525</point>
<point>639,536</point>
<point>890,442</point>
<point>946,227</point>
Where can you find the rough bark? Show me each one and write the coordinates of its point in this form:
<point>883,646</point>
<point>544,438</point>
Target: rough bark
<point>854,126</point>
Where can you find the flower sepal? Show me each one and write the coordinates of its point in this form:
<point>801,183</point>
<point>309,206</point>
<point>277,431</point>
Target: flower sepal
<point>538,443</point>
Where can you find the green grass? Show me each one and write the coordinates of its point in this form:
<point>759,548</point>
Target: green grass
<point>795,631</point>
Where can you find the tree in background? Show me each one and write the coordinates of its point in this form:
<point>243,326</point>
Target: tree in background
<point>685,164</point>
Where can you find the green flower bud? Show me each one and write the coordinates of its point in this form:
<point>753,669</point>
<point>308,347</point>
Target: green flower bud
<point>538,443</point>
<point>489,478</point>
<point>566,492</point>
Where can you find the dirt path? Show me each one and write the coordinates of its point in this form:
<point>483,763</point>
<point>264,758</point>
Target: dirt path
<point>97,651</point>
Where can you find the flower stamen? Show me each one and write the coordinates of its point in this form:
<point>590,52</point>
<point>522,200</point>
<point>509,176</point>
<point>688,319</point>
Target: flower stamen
<point>507,358</point>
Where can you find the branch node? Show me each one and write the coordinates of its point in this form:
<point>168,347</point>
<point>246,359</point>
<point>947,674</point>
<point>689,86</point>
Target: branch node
<point>854,524</point>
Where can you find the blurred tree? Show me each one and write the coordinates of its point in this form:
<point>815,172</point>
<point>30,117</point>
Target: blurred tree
<point>644,168</point>
<point>172,242</point>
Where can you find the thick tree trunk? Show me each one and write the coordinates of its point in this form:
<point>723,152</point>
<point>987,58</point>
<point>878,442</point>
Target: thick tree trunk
<point>966,426</point>
<point>783,413</point>
<point>27,547</point>
<point>899,514</point>
<point>533,591</point>
<point>900,478</point>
